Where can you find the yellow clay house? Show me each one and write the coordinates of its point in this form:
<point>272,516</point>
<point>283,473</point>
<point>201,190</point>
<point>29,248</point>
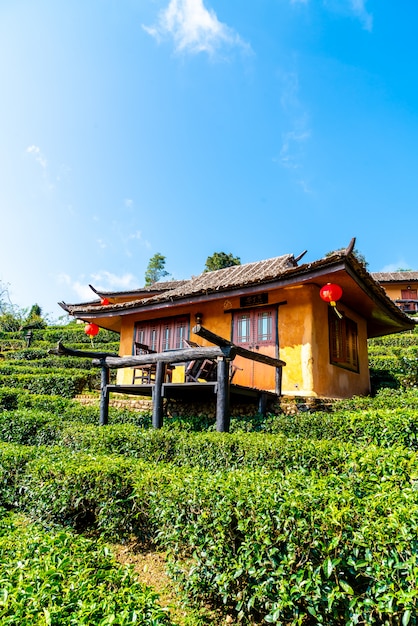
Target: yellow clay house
<point>271,307</point>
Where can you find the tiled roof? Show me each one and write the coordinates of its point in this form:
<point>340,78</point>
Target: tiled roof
<point>154,288</point>
<point>231,277</point>
<point>396,277</point>
<point>207,282</point>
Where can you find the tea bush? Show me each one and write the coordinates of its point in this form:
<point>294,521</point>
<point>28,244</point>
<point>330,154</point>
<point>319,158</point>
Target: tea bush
<point>334,541</point>
<point>55,577</point>
<point>8,399</point>
<point>68,385</point>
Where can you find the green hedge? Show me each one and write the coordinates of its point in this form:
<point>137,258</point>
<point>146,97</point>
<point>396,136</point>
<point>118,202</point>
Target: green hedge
<point>280,549</point>
<point>322,436</point>
<point>266,545</point>
<point>8,399</point>
<point>56,577</point>
<point>66,385</point>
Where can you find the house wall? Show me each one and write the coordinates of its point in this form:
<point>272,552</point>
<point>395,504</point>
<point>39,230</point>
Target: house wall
<point>331,380</point>
<point>302,339</point>
<point>394,290</point>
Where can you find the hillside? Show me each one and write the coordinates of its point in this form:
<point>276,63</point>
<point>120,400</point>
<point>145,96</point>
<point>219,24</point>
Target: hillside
<point>292,519</point>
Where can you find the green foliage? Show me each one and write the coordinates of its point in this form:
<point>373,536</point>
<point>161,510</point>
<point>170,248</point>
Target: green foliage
<point>220,260</point>
<point>331,533</point>
<point>280,547</point>
<point>25,426</point>
<point>68,385</point>
<point>311,519</point>
<point>85,492</point>
<point>8,399</point>
<point>56,577</point>
<point>155,269</point>
<point>359,256</point>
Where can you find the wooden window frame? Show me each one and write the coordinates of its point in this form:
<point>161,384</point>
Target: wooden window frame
<point>163,334</point>
<point>343,342</point>
<point>257,334</point>
<point>409,294</point>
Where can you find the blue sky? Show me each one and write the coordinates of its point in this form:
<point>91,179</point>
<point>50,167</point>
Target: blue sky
<point>185,127</point>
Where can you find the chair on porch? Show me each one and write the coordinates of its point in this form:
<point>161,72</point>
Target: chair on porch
<point>144,374</point>
<point>203,369</point>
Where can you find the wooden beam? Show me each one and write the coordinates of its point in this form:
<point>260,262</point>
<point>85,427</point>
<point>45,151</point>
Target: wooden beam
<point>61,350</point>
<point>171,356</point>
<point>247,354</point>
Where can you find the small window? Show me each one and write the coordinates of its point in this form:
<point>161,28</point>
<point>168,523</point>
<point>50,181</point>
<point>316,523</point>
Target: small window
<point>254,328</point>
<point>162,335</point>
<point>343,339</point>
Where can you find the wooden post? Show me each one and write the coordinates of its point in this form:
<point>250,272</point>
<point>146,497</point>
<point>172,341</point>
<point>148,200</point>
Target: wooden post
<point>157,399</point>
<point>222,396</point>
<point>262,404</point>
<point>278,377</point>
<point>104,394</point>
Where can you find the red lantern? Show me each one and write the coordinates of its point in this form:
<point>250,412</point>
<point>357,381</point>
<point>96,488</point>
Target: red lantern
<point>331,293</point>
<point>104,301</point>
<point>91,329</point>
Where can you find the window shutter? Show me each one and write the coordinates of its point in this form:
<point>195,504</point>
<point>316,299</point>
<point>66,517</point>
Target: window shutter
<point>343,341</point>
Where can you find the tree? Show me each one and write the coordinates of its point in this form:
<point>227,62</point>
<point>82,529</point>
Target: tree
<point>156,269</point>
<point>34,318</point>
<point>359,256</point>
<point>220,260</point>
<point>4,297</point>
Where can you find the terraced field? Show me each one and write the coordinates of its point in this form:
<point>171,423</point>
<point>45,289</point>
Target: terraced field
<point>293,519</point>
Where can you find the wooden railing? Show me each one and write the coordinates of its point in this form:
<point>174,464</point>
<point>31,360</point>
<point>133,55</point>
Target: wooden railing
<point>223,351</point>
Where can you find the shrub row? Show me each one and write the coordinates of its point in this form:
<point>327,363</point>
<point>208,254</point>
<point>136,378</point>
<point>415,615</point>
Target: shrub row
<point>56,577</point>
<point>325,434</point>
<point>67,385</point>
<point>269,546</point>
<point>66,409</point>
<point>45,361</point>
<point>383,427</point>
<point>37,368</point>
<point>406,339</point>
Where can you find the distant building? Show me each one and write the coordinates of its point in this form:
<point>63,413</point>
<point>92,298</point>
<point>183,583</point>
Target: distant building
<point>401,287</point>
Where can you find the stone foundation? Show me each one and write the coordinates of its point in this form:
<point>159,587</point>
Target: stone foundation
<point>288,405</point>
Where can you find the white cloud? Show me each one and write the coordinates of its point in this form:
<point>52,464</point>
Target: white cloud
<point>294,140</point>
<point>112,282</point>
<point>359,9</point>
<point>136,235</point>
<point>356,8</point>
<point>394,267</point>
<point>39,157</point>
<point>80,288</point>
<point>292,148</point>
<point>194,28</point>
<point>103,280</point>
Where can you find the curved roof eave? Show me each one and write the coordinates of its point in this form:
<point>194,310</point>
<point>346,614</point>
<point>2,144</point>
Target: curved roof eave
<point>382,313</point>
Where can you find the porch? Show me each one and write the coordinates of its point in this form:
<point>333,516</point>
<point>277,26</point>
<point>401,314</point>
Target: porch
<point>221,389</point>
